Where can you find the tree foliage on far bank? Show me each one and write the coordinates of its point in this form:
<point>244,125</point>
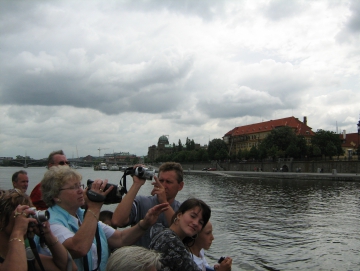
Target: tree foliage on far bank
<point>329,143</point>
<point>281,142</point>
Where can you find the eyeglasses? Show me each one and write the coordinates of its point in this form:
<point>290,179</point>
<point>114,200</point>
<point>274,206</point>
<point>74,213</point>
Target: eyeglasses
<point>75,187</point>
<point>64,163</point>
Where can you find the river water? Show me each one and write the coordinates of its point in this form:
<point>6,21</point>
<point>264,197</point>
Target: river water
<point>265,224</point>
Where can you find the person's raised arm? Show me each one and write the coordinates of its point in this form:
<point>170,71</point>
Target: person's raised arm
<point>121,214</point>
<point>16,256</point>
<point>159,190</point>
<point>129,236</point>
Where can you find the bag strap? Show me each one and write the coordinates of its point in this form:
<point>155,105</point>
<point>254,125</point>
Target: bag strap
<point>98,248</point>
<point>36,254</point>
<point>98,244</point>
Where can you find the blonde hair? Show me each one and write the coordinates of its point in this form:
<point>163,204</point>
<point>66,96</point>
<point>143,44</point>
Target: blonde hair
<point>134,258</point>
<point>53,181</point>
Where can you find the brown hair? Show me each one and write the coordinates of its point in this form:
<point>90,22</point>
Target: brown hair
<point>9,200</point>
<point>169,166</point>
<point>15,176</point>
<point>51,156</point>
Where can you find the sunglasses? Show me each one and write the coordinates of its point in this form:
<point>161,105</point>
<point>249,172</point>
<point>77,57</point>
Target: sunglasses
<point>64,163</point>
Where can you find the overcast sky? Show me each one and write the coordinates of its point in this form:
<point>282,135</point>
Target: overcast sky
<point>116,75</point>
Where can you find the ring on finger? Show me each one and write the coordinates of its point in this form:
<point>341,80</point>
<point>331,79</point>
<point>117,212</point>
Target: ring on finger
<point>16,213</point>
<point>100,189</point>
<point>24,214</point>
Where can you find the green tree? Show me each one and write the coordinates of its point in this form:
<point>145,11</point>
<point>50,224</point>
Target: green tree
<point>316,151</point>
<point>254,153</point>
<point>292,150</point>
<point>283,142</point>
<point>187,144</point>
<point>322,140</point>
<point>205,157</point>
<point>215,148</point>
<point>192,144</point>
<point>330,149</point>
<point>180,146</point>
<point>239,155</point>
<point>246,154</point>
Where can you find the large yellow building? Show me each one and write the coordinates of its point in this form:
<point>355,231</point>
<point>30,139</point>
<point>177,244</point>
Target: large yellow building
<point>245,137</point>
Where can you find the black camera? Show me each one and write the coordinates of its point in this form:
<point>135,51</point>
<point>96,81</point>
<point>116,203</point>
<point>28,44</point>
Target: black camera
<point>221,259</point>
<point>115,195</point>
<point>40,216</point>
<point>141,172</point>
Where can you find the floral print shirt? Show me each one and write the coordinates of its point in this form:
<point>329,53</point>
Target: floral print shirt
<point>175,256</point>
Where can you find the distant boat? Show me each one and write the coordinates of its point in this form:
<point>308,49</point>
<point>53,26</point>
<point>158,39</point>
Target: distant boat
<point>103,166</point>
<point>75,166</point>
<point>114,168</point>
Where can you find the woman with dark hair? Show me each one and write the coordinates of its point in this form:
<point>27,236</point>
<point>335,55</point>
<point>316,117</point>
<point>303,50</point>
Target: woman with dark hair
<point>17,227</point>
<point>187,222</point>
<point>203,241</point>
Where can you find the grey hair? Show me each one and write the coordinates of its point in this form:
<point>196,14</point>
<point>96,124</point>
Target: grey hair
<point>134,258</point>
<point>53,181</point>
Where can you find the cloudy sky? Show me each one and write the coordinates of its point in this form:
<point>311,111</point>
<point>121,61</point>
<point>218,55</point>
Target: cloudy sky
<point>116,75</point>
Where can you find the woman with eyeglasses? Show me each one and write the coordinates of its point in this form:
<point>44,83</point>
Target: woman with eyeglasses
<point>87,239</point>
<point>19,249</point>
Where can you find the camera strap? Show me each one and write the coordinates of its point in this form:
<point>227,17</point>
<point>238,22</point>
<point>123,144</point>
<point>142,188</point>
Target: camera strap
<point>124,181</point>
<point>36,254</point>
<point>98,247</point>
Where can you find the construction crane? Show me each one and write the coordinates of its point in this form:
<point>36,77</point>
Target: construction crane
<point>99,149</point>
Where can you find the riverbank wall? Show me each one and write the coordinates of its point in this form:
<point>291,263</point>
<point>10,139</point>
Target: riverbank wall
<point>287,165</point>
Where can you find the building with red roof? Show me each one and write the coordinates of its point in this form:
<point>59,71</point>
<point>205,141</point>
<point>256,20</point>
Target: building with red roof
<point>349,143</point>
<point>245,137</point>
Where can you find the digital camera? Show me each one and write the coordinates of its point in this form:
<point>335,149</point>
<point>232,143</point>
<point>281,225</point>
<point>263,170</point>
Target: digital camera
<point>141,172</point>
<point>40,216</point>
<point>115,195</point>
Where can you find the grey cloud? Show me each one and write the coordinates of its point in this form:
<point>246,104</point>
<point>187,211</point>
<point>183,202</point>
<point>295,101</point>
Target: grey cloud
<point>354,20</point>
<point>206,9</point>
<point>351,28</point>
<point>149,87</point>
<point>280,9</point>
<point>238,102</point>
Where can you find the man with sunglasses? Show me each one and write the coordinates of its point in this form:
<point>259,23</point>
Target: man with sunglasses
<point>55,158</point>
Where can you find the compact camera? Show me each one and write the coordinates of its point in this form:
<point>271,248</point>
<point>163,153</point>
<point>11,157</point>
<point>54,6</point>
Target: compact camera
<point>141,172</point>
<point>40,216</point>
<point>115,195</point>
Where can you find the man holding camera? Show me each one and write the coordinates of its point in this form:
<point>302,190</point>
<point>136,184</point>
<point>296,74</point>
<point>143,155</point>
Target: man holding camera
<point>134,207</point>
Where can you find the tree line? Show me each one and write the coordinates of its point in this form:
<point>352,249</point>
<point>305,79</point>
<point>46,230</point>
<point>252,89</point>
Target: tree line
<point>280,143</point>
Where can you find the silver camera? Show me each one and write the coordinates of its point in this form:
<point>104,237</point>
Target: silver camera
<point>40,216</point>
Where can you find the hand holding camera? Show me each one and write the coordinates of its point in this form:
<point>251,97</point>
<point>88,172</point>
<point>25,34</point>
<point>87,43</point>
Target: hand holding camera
<point>21,219</point>
<point>98,191</point>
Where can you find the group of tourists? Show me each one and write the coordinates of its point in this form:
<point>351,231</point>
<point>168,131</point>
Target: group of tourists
<point>67,231</point>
